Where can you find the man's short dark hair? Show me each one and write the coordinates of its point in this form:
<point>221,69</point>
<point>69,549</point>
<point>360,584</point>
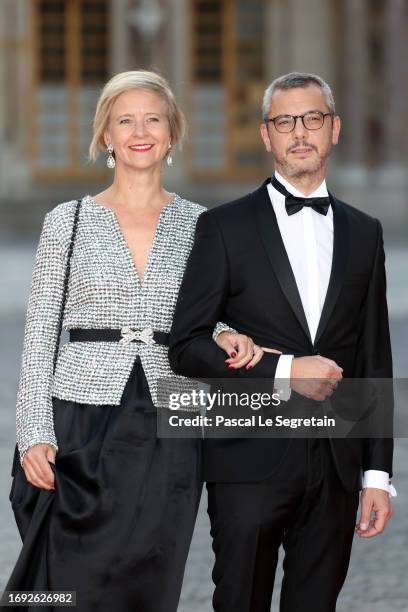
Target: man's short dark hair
<point>292,80</point>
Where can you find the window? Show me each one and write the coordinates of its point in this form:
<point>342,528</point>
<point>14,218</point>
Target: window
<point>228,81</point>
<point>70,64</point>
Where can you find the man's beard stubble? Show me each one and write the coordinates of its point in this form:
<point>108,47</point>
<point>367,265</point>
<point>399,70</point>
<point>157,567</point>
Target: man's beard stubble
<point>303,167</point>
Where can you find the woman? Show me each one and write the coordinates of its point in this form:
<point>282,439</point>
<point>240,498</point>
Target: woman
<point>116,506</point>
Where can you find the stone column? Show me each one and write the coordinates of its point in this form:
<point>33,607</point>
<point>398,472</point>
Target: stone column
<point>119,37</point>
<point>3,88</point>
<point>276,43</point>
<point>299,38</point>
<point>178,71</point>
<point>356,67</point>
<point>14,98</point>
<point>395,50</point>
<point>392,176</point>
<point>309,37</point>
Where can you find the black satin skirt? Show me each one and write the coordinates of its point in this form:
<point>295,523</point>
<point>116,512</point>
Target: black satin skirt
<point>118,527</point>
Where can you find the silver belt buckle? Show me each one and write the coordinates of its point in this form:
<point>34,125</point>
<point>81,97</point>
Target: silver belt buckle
<point>143,335</point>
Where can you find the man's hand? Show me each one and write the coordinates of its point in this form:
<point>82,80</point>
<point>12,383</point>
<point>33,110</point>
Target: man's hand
<point>36,467</point>
<point>241,350</point>
<point>315,377</point>
<point>376,511</point>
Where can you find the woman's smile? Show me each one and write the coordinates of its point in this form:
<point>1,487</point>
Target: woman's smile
<point>141,148</point>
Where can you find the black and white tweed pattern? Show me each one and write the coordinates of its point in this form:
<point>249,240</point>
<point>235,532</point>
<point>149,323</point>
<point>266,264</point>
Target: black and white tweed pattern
<point>104,291</point>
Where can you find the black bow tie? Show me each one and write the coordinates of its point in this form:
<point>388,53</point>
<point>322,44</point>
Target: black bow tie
<point>293,204</point>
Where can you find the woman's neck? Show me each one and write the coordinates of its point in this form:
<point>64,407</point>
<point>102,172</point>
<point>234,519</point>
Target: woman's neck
<point>135,190</point>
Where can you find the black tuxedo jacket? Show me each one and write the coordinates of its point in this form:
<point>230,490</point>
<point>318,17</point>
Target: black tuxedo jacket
<point>238,272</point>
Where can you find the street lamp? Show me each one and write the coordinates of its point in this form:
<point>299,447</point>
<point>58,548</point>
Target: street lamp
<point>147,17</point>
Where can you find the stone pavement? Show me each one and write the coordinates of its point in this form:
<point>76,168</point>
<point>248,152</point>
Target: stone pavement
<point>376,580</point>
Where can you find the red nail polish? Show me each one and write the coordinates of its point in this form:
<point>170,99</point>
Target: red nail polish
<point>233,354</point>
<point>249,367</point>
<point>230,367</point>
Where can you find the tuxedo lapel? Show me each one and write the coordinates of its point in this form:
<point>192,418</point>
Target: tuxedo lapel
<point>268,229</point>
<point>341,252</point>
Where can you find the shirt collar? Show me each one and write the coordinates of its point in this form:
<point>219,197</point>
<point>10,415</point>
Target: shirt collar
<point>278,200</point>
<point>320,192</point>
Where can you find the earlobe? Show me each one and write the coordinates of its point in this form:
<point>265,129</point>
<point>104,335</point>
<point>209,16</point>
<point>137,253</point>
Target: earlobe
<point>106,138</point>
<point>336,129</point>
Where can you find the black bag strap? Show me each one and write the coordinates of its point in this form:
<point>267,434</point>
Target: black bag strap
<point>66,280</point>
<point>16,457</point>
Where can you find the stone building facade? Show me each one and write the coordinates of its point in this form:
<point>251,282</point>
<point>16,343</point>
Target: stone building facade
<point>218,55</point>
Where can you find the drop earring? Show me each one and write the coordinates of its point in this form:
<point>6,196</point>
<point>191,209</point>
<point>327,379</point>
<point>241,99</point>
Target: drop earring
<point>169,158</point>
<point>110,162</point>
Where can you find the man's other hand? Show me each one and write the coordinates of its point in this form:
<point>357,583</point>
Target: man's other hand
<point>376,511</point>
<point>315,377</point>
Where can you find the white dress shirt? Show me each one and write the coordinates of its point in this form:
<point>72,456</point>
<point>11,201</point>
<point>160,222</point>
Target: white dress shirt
<point>308,240</point>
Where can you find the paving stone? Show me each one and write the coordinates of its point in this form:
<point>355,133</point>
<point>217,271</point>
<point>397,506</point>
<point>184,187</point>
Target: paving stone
<point>376,579</point>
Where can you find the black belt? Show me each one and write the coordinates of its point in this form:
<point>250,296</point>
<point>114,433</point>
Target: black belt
<point>123,336</point>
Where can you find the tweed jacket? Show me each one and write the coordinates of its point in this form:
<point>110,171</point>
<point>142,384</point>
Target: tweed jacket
<point>104,291</point>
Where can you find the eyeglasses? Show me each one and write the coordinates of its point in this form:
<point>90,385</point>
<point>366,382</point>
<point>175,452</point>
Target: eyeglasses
<point>312,120</point>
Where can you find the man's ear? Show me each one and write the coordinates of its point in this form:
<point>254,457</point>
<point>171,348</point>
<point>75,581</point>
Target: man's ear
<point>265,137</point>
<point>336,129</point>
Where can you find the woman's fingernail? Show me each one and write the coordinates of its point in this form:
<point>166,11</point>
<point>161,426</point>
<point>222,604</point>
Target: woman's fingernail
<point>233,354</point>
<point>230,367</point>
<point>249,367</point>
<point>363,526</point>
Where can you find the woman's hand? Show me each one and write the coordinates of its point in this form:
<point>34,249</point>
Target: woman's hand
<point>36,467</point>
<point>242,350</point>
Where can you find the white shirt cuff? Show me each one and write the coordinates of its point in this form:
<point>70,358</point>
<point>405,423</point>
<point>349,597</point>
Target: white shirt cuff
<point>379,480</point>
<point>282,377</point>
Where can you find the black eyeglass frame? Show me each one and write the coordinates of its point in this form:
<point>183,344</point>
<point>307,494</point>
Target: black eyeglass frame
<point>302,117</point>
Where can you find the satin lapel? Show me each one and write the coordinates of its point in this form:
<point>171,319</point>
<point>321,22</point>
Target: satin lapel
<point>341,253</point>
<point>269,231</point>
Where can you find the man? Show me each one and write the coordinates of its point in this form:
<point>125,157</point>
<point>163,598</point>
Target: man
<point>292,267</point>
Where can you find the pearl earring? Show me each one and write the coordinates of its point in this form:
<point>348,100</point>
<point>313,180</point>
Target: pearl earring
<point>110,162</point>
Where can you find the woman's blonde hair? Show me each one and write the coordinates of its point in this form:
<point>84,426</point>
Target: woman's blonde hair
<point>125,81</point>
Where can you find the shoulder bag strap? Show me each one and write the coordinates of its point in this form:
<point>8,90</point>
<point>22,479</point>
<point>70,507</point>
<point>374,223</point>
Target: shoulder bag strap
<point>66,280</point>
<point>61,313</point>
